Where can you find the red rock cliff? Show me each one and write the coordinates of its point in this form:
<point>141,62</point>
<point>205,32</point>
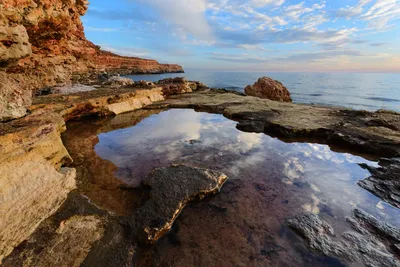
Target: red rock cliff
<point>42,43</point>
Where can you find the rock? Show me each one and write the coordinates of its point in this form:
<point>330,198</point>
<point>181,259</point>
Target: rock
<point>374,225</point>
<point>32,183</point>
<point>179,85</point>
<point>353,247</point>
<point>171,189</point>
<point>267,88</point>
<point>340,128</point>
<point>14,98</point>
<point>30,191</point>
<point>71,89</point>
<point>71,244</point>
<point>117,81</point>
<point>102,101</point>
<point>318,234</point>
<point>384,181</point>
<point>42,44</point>
<point>14,44</point>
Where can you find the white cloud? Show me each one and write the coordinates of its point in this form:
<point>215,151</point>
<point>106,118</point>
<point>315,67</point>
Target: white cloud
<point>188,15</point>
<point>382,13</point>
<point>261,3</point>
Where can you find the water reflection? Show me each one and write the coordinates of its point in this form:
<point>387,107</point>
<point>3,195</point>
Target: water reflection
<point>270,181</point>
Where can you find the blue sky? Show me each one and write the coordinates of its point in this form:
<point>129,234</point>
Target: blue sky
<point>252,35</point>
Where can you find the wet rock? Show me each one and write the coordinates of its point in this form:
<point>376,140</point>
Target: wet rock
<point>352,246</point>
<point>268,88</point>
<point>30,191</point>
<point>179,85</point>
<point>171,189</point>
<point>384,181</point>
<point>382,228</point>
<point>319,234</point>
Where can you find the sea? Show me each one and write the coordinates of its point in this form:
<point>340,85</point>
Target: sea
<point>362,91</point>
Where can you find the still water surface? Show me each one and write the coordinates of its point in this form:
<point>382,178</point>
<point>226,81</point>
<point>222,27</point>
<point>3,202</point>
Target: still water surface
<point>269,182</point>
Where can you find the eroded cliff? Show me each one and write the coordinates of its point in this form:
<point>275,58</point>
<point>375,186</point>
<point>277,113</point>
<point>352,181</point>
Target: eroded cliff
<point>42,43</point>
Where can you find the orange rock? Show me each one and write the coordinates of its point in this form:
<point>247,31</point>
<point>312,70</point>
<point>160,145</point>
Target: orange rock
<point>42,43</point>
<point>268,88</point>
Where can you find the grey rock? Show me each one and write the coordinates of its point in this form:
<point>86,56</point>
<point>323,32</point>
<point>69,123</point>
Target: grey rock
<point>352,246</point>
<point>384,181</point>
<point>171,189</point>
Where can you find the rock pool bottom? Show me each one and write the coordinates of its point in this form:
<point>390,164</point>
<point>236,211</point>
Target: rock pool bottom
<point>270,182</point>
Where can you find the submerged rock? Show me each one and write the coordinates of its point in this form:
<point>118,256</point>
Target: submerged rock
<point>385,180</point>
<point>361,246</point>
<point>268,88</point>
<point>171,189</point>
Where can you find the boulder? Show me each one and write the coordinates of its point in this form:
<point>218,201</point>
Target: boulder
<point>179,85</point>
<point>268,88</point>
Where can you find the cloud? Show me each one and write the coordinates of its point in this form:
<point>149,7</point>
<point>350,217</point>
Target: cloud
<point>294,58</point>
<point>262,3</point>
<point>187,15</point>
<point>378,44</point>
<point>379,14</point>
<point>382,13</point>
<point>353,11</point>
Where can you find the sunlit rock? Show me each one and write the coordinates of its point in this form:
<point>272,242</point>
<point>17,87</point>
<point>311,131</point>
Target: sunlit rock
<point>267,88</point>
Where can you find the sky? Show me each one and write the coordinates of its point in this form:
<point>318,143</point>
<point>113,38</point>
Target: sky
<point>252,35</point>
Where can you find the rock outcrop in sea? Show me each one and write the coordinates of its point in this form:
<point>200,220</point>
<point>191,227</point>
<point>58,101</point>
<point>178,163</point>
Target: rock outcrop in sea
<point>270,89</point>
<point>42,44</point>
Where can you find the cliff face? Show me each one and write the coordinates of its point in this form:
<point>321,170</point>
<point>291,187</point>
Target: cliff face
<point>42,43</point>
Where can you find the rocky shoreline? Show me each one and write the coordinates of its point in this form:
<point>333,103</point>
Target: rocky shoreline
<point>35,141</point>
<point>50,75</point>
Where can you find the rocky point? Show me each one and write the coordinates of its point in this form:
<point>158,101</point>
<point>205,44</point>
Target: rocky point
<point>42,43</point>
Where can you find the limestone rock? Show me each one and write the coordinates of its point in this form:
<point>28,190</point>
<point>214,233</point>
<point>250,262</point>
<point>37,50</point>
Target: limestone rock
<point>354,247</point>
<point>71,244</point>
<point>179,85</point>
<point>267,88</point>
<point>42,44</point>
<point>71,89</point>
<point>171,189</point>
<point>30,191</point>
<point>339,127</point>
<point>14,98</point>
<point>384,181</point>
<point>117,81</point>
<point>14,43</point>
